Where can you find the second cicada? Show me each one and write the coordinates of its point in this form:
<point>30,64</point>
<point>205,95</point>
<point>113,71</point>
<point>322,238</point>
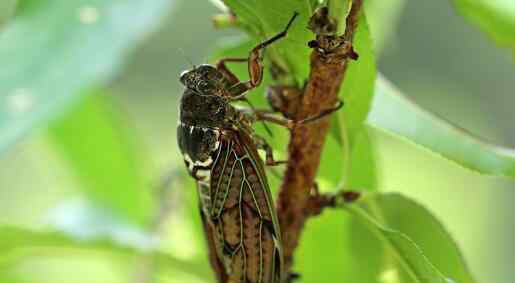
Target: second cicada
<point>220,151</point>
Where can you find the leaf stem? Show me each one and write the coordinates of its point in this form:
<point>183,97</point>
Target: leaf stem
<point>346,150</point>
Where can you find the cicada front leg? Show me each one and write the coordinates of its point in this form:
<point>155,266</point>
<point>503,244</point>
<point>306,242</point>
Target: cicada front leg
<point>255,65</point>
<point>221,65</point>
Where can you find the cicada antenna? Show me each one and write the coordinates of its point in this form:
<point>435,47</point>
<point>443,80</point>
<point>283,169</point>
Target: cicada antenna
<point>187,58</point>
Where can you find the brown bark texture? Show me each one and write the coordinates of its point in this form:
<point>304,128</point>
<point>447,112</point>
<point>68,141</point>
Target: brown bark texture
<point>328,61</point>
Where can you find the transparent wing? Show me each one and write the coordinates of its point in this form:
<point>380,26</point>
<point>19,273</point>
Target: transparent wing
<point>242,213</point>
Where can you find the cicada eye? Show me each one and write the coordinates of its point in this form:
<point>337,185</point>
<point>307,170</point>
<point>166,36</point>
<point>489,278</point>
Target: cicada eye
<point>201,86</point>
<point>205,87</point>
<point>184,77</point>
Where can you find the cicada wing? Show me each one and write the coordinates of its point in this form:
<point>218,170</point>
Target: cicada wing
<point>241,218</point>
<point>262,201</point>
<point>244,213</point>
<point>214,260</point>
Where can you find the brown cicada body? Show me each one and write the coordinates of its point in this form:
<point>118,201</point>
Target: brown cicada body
<point>220,152</point>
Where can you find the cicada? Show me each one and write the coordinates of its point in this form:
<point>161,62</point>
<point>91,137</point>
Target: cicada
<point>220,152</point>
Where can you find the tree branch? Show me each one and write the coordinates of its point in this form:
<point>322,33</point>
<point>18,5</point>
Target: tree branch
<point>328,64</point>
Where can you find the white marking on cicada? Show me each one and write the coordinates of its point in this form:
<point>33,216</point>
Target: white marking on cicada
<point>183,73</point>
<point>191,129</point>
<point>205,163</point>
<point>190,162</point>
<point>204,174</point>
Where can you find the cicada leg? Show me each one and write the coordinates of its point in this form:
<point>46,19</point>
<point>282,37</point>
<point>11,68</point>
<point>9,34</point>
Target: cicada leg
<point>229,75</point>
<point>285,99</point>
<point>322,114</point>
<point>261,143</point>
<point>255,65</point>
<point>292,277</point>
<point>266,115</point>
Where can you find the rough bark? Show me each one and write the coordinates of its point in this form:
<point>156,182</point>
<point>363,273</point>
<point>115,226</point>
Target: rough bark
<point>307,140</point>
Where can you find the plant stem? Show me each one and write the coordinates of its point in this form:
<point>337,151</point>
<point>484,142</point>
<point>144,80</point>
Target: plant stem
<point>346,151</point>
<point>307,140</point>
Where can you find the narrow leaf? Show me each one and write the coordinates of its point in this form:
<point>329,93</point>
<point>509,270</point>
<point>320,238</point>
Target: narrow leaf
<point>102,154</point>
<point>77,44</point>
<point>18,242</point>
<point>496,18</point>
<point>395,113</point>
<point>421,248</point>
<point>383,18</point>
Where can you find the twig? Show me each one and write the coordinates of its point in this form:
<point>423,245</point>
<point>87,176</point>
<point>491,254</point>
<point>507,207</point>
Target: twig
<point>306,141</point>
<point>352,20</point>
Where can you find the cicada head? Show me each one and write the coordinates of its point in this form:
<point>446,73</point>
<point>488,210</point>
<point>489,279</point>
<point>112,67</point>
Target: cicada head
<point>204,79</point>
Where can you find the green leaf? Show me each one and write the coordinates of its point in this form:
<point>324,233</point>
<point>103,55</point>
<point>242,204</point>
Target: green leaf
<point>421,248</point>
<point>383,18</point>
<point>364,255</point>
<point>9,276</point>
<point>17,243</point>
<point>82,219</point>
<point>357,92</point>
<point>321,253</point>
<point>496,18</point>
<point>267,18</point>
<point>357,89</point>
<point>363,165</point>
<point>102,153</point>
<point>395,113</point>
<point>53,49</point>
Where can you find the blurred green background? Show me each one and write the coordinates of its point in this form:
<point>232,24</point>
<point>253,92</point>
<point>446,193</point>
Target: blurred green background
<point>430,52</point>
